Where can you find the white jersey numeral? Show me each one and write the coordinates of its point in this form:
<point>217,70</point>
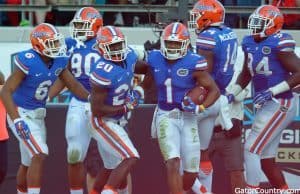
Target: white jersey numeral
<point>230,57</point>
<point>262,67</point>
<point>168,84</point>
<point>118,98</point>
<point>105,66</point>
<point>82,66</point>
<point>42,91</point>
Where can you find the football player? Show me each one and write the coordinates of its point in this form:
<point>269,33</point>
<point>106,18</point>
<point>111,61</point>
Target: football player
<point>24,96</point>
<point>218,44</point>
<point>272,65</point>
<point>84,27</point>
<point>112,97</point>
<point>176,70</point>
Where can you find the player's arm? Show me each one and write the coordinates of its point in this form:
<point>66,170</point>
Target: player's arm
<point>148,80</point>
<point>98,105</point>
<point>204,79</point>
<point>245,76</point>
<point>141,67</point>
<point>56,88</point>
<point>73,85</point>
<point>243,79</point>
<point>209,56</point>
<point>11,84</point>
<point>290,61</point>
<point>206,46</point>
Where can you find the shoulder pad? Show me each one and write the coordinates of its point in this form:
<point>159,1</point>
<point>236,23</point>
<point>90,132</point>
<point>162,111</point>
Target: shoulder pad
<point>23,60</point>
<point>284,42</point>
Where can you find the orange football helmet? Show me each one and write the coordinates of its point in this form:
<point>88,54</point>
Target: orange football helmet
<point>112,43</point>
<point>175,41</point>
<point>46,40</point>
<point>86,23</point>
<point>206,13</point>
<point>265,21</point>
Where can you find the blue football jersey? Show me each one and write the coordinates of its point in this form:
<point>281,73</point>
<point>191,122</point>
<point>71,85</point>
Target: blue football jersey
<point>118,78</point>
<point>222,41</point>
<point>265,68</point>
<point>32,93</point>
<point>82,56</point>
<point>174,80</point>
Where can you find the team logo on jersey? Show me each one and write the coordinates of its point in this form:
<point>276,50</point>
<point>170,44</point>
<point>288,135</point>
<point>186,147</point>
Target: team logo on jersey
<point>29,55</point>
<point>58,71</point>
<point>182,72</point>
<point>266,50</point>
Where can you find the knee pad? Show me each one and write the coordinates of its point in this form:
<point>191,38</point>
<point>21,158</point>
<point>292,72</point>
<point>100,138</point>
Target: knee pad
<point>74,153</point>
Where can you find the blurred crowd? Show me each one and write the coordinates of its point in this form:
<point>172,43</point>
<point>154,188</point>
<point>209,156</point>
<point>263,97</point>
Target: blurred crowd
<point>62,18</point>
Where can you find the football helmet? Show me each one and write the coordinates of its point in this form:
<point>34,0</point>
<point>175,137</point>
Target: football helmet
<point>175,41</point>
<point>112,43</point>
<point>46,40</point>
<point>86,23</point>
<point>206,13</point>
<point>265,21</point>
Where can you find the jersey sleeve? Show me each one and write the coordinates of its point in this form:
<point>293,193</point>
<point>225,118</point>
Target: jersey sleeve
<point>206,40</point>
<point>200,63</point>
<point>101,77</point>
<point>151,56</point>
<point>244,43</point>
<point>21,60</point>
<point>286,43</point>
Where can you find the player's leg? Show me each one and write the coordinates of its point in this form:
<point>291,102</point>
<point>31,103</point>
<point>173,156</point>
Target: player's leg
<point>205,129</point>
<point>273,173</point>
<point>269,166</point>
<point>97,175</point>
<point>168,133</point>
<point>78,139</point>
<point>263,140</point>
<point>231,149</point>
<point>117,152</point>
<point>21,179</point>
<point>206,122</point>
<point>101,180</point>
<point>93,163</point>
<point>190,144</point>
<point>35,170</point>
<point>126,186</point>
<point>33,150</point>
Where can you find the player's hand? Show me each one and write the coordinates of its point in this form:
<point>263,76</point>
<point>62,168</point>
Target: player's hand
<point>190,106</point>
<point>261,98</point>
<point>22,129</point>
<point>132,99</point>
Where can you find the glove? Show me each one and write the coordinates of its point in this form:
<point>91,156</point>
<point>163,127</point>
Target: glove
<point>22,128</point>
<point>230,98</point>
<point>132,99</point>
<point>191,106</point>
<point>261,98</point>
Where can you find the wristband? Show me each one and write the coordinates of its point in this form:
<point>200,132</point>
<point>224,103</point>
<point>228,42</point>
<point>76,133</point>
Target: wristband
<point>201,108</point>
<point>125,108</point>
<point>140,90</point>
<point>279,88</point>
<point>17,120</point>
<point>234,89</point>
